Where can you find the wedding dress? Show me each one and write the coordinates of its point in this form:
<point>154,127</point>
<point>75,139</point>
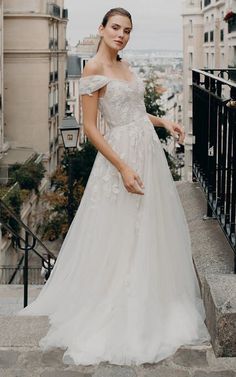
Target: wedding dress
<point>124,288</point>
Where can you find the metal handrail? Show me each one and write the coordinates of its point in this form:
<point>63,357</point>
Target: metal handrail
<point>214,147</point>
<point>25,245</point>
<point>2,204</point>
<point>229,83</point>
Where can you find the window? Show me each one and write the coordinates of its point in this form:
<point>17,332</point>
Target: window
<point>222,35</point>
<point>190,60</point>
<point>232,24</point>
<point>191,26</point>
<point>211,36</point>
<point>212,60</point>
<point>207,60</point>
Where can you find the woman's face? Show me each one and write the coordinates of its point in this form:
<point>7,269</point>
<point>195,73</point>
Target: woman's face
<point>116,33</point>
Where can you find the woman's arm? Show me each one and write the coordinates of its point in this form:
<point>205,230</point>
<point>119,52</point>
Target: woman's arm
<point>156,121</point>
<point>175,129</point>
<point>131,179</point>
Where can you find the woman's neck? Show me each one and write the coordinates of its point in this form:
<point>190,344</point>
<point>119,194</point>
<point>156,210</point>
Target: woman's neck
<point>107,55</point>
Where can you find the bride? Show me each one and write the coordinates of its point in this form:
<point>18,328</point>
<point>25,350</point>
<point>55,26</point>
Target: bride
<point>124,288</point>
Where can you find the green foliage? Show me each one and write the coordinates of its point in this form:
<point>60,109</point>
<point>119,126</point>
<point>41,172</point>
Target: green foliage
<point>81,163</point>
<point>152,103</point>
<point>23,178</point>
<point>152,97</point>
<point>13,200</point>
<point>54,226</point>
<point>172,166</point>
<point>28,175</point>
<point>56,216</point>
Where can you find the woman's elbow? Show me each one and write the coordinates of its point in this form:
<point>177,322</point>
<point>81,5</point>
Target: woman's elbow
<point>88,128</point>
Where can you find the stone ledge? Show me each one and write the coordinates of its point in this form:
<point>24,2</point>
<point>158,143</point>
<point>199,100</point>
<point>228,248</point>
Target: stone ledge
<point>220,303</point>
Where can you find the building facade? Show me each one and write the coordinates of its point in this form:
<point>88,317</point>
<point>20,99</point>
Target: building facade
<point>209,41</point>
<point>77,58</point>
<point>35,58</point>
<point>1,82</point>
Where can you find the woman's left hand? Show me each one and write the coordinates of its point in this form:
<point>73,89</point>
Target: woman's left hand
<point>175,130</point>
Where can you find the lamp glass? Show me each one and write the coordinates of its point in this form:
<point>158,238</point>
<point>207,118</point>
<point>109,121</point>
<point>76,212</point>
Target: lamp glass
<point>70,137</point>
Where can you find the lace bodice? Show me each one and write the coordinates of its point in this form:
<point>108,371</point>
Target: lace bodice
<point>123,101</point>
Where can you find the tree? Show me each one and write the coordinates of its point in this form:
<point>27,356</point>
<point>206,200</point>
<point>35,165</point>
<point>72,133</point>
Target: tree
<point>55,216</point>
<point>28,175</point>
<point>152,102</point>
<point>82,162</point>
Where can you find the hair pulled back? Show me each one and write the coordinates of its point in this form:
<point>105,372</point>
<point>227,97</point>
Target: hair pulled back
<point>114,12</point>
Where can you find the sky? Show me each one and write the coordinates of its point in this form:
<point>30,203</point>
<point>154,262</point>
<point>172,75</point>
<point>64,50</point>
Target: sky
<point>157,24</point>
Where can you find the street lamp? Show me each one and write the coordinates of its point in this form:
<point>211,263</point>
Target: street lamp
<point>69,131</point>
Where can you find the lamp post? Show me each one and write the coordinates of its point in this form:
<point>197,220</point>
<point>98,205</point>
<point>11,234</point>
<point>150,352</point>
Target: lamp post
<point>69,131</point>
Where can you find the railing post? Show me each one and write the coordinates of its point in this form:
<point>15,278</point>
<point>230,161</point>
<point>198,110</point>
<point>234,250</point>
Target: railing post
<point>26,248</point>
<point>25,269</point>
<point>70,190</point>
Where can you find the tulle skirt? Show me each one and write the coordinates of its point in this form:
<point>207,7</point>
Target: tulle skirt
<point>124,287</point>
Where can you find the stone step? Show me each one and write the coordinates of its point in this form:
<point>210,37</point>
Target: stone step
<point>20,356</point>
<point>12,297</point>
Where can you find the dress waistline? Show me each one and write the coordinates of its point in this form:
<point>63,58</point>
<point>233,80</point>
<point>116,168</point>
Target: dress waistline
<point>135,122</point>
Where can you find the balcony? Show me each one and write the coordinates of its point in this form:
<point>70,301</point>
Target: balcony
<point>214,151</point>
<point>214,170</point>
<point>54,10</point>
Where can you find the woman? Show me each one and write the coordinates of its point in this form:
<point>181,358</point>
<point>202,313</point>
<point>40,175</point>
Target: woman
<point>124,288</point>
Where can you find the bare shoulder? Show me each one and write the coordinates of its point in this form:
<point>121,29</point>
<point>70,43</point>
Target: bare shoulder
<point>92,67</point>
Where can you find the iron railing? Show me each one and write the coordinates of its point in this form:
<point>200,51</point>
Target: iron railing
<point>26,242</point>
<point>8,274</point>
<point>214,148</point>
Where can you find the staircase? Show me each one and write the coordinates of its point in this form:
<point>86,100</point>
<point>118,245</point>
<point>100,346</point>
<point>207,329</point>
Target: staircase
<point>20,355</point>
<point>29,244</point>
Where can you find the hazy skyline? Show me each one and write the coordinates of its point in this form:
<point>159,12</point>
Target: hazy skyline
<point>157,23</point>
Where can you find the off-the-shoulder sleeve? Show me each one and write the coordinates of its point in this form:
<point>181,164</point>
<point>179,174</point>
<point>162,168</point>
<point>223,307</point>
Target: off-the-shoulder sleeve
<point>89,84</point>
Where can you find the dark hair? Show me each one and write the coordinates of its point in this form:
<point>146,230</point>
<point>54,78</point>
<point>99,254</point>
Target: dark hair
<point>114,12</point>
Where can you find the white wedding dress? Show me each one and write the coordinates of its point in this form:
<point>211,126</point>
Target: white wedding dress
<point>124,288</point>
